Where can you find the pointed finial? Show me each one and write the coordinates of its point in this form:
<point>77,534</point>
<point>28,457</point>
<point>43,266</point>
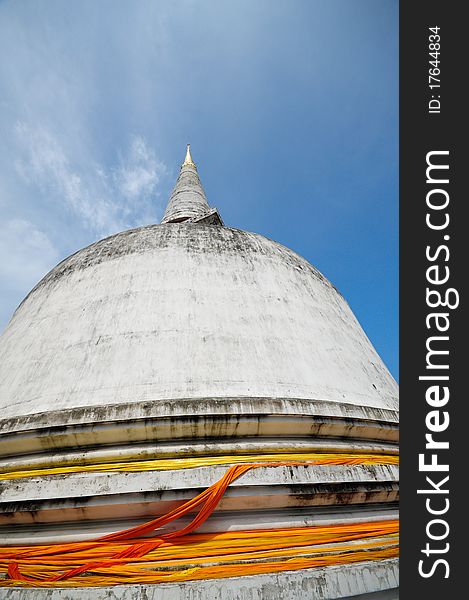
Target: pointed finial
<point>188,160</point>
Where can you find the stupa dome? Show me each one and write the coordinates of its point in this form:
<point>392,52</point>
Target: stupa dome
<point>182,312</point>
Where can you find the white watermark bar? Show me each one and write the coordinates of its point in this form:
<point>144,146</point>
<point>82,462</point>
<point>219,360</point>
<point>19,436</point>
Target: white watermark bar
<point>433,348</point>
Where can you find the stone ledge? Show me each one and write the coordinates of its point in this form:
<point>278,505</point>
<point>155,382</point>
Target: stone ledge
<point>202,406</point>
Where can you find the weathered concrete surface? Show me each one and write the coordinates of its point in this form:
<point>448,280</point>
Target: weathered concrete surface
<point>188,482</point>
<point>198,419</point>
<point>190,448</point>
<point>186,311</point>
<point>345,582</point>
<point>205,407</point>
<point>72,531</point>
<point>96,496</point>
<point>208,428</point>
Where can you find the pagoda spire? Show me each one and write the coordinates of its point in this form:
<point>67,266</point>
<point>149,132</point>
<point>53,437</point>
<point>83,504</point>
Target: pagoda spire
<point>187,200</point>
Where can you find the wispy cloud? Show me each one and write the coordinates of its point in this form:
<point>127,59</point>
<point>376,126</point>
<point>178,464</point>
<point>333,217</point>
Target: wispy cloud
<point>104,200</point>
<point>139,172</point>
<point>30,253</point>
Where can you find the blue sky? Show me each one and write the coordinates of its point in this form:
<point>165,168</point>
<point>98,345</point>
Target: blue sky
<point>291,109</point>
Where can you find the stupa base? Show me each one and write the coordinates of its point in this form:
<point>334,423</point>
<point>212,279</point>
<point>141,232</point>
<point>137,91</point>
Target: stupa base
<point>377,580</point>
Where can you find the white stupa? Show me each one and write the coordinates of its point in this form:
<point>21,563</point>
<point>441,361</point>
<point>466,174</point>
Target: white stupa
<point>190,338</point>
